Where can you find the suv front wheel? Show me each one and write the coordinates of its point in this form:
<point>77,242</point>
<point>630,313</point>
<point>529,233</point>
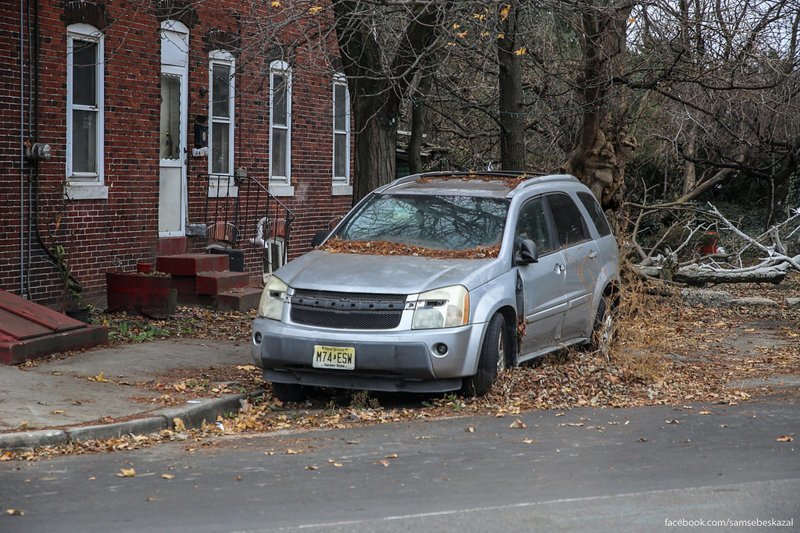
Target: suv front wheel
<point>493,359</point>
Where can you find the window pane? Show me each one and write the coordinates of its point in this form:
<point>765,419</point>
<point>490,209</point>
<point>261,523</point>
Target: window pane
<point>533,225</point>
<point>279,110</point>
<point>569,222</point>
<point>170,143</point>
<point>596,212</point>
<point>84,141</point>
<point>340,155</point>
<point>220,156</point>
<point>278,155</point>
<point>339,107</point>
<point>84,73</point>
<point>221,91</point>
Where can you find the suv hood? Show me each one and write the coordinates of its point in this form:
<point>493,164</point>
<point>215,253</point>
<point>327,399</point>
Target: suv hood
<point>343,272</point>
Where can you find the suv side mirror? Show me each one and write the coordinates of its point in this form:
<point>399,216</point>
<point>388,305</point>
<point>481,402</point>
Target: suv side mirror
<point>319,238</point>
<point>527,253</point>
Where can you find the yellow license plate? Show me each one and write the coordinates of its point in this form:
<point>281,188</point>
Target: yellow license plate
<point>337,357</point>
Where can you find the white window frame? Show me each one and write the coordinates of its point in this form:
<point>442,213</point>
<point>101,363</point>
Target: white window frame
<point>86,185</point>
<point>281,185</point>
<point>221,183</point>
<point>341,184</point>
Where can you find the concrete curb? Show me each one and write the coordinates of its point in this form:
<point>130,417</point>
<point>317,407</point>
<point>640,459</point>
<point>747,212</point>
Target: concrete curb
<point>192,415</point>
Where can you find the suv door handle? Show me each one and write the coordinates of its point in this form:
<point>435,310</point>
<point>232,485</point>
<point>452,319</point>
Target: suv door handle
<point>559,269</point>
<point>592,254</point>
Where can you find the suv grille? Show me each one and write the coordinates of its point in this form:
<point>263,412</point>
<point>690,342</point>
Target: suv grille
<point>347,310</point>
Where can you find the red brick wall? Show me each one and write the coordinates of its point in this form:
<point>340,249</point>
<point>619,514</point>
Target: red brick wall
<point>102,235</point>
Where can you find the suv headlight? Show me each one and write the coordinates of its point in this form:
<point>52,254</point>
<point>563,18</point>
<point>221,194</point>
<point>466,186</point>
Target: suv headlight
<point>442,308</point>
<point>273,298</point>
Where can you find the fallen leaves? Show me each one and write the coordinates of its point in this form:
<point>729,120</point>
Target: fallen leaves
<point>339,246</point>
<point>126,472</point>
<point>167,476</point>
<point>785,438</point>
<point>517,424</point>
<point>99,378</point>
<point>15,512</point>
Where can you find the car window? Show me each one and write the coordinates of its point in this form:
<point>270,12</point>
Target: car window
<point>432,221</point>
<point>570,226</point>
<point>596,212</point>
<point>533,224</point>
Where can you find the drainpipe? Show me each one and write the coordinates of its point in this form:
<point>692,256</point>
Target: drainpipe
<point>33,178</point>
<point>22,290</point>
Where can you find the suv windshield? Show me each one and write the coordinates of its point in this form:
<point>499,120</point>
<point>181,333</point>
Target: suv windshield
<point>440,222</point>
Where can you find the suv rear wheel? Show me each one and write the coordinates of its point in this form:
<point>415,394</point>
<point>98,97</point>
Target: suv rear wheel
<point>604,327</point>
<point>493,359</point>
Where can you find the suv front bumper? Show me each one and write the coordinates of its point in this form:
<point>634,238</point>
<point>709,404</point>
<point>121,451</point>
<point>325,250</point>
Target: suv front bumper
<point>385,360</point>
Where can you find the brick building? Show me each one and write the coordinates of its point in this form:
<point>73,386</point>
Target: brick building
<point>167,123</point>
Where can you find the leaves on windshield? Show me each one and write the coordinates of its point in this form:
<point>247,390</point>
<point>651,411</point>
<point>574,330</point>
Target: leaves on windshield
<point>340,246</point>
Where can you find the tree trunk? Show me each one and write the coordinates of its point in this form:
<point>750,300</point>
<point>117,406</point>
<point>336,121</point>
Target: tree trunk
<point>376,144</point>
<point>512,120</point>
<point>418,115</point>
<point>603,146</point>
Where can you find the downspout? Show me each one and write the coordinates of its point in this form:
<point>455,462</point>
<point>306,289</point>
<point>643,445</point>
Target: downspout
<point>33,179</point>
<point>22,148</point>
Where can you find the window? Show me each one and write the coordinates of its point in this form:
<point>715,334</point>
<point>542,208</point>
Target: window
<point>85,112</point>
<point>533,224</point>
<point>596,212</point>
<point>570,226</point>
<point>341,135</point>
<point>221,112</point>
<point>280,130</point>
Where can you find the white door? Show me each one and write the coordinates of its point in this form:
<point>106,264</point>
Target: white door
<point>173,131</point>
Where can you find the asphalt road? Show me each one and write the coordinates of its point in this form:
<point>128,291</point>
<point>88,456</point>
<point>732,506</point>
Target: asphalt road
<point>594,470</point>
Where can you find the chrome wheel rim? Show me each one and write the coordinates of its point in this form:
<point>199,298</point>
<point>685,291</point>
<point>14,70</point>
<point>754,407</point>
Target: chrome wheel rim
<point>501,352</point>
<point>606,333</point>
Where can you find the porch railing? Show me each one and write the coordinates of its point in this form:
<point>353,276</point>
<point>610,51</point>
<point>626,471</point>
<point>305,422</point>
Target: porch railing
<point>241,213</point>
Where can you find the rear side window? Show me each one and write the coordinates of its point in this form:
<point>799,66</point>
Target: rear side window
<point>570,227</point>
<point>533,224</point>
<point>596,212</point>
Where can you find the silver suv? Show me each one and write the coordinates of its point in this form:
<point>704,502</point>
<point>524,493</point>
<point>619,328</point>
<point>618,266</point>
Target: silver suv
<point>436,282</point>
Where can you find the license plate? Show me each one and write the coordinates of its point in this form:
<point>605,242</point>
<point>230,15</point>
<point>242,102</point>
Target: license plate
<point>338,357</point>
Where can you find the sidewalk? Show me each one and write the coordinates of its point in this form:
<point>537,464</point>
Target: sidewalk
<point>94,394</point>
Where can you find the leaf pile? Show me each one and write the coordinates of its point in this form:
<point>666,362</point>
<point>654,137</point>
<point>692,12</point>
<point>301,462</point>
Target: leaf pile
<point>339,246</point>
<point>666,354</point>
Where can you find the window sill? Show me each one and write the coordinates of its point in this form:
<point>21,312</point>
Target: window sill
<point>85,191</point>
<point>278,189</point>
<point>341,190</point>
<point>222,187</point>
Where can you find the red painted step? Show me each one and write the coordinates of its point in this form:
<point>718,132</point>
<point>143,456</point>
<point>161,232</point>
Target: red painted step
<point>216,282</point>
<point>242,300</point>
<point>191,264</point>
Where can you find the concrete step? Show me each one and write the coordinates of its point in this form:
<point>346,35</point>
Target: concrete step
<point>191,264</point>
<point>243,299</point>
<point>214,283</point>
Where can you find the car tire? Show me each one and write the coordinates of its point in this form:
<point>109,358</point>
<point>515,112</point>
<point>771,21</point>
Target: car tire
<point>289,392</point>
<point>493,359</point>
<point>604,327</point>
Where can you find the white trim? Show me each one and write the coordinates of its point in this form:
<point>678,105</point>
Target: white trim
<point>85,191</point>
<point>338,189</point>
<point>224,58</point>
<point>86,33</point>
<point>281,67</point>
<point>181,68</point>
<point>339,80</point>
<point>278,189</point>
